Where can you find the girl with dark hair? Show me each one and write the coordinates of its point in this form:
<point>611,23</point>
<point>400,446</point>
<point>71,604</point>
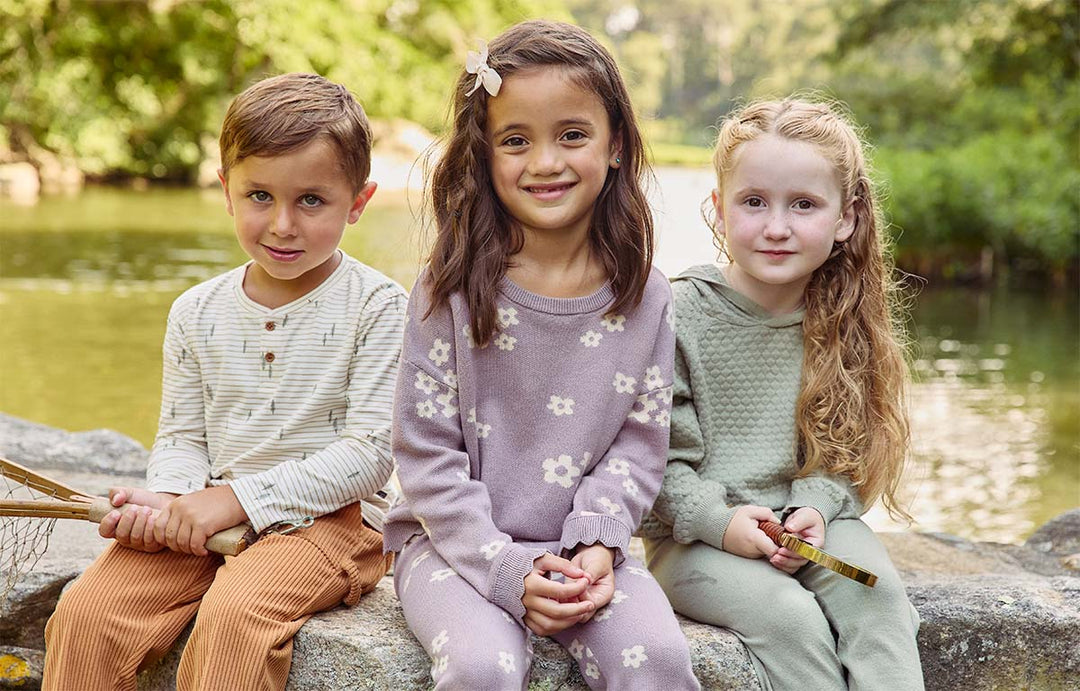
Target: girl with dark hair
<point>532,407</point>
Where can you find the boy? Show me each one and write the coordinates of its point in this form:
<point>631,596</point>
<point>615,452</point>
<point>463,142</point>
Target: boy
<point>276,401</point>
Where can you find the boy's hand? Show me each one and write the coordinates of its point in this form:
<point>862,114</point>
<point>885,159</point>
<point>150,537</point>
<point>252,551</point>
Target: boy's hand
<point>806,523</point>
<point>551,606</point>
<point>189,519</point>
<point>597,562</point>
<point>743,537</point>
<point>134,527</point>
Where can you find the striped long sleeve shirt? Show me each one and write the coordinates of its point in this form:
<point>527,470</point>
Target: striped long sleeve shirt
<point>289,406</point>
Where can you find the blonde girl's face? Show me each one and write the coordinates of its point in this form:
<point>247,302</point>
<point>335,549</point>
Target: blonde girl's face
<point>780,212</point>
<point>551,149</point>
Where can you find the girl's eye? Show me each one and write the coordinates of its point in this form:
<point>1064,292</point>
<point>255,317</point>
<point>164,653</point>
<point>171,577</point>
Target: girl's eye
<point>310,200</point>
<point>259,196</point>
<point>804,205</point>
<point>574,135</point>
<point>514,141</point>
<point>755,202</point>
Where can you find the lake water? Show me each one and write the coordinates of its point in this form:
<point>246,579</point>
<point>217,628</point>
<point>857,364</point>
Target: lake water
<point>86,283</point>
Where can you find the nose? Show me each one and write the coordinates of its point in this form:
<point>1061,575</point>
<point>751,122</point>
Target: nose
<point>776,227</point>
<point>546,160</point>
<point>283,223</point>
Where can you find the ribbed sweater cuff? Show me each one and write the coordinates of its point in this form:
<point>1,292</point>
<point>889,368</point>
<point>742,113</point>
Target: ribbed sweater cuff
<point>591,529</point>
<point>508,586</point>
<point>827,500</point>
<point>710,523</point>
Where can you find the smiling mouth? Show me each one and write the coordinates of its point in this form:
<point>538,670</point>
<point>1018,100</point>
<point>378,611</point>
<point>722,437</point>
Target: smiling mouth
<point>282,254</point>
<point>549,191</point>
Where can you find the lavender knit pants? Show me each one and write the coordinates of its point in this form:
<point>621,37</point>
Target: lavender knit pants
<point>633,643</point>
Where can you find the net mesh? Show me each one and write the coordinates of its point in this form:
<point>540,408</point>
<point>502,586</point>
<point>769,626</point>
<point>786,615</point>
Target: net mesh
<point>23,540</point>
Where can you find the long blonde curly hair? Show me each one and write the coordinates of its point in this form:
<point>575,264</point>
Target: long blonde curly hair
<point>851,413</point>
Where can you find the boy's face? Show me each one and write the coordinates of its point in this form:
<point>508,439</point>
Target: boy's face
<point>290,212</point>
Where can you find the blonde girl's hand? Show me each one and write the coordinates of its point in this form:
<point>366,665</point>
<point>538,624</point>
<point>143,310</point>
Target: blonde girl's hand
<point>598,562</point>
<point>807,524</point>
<point>551,606</point>
<point>744,538</point>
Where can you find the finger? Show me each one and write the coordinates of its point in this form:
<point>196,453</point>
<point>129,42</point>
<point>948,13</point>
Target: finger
<point>762,513</point>
<point>148,532</point>
<point>118,496</point>
<point>550,562</point>
<point>183,538</point>
<point>171,529</point>
<point>198,543</point>
<point>763,543</point>
<point>568,590</point>
<point>161,523</point>
<point>553,609</point>
<point>107,527</point>
<point>798,522</point>
<point>138,527</point>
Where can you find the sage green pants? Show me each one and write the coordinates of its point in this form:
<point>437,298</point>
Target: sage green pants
<point>815,630</point>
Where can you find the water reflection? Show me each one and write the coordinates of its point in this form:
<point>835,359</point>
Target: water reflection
<point>85,285</point>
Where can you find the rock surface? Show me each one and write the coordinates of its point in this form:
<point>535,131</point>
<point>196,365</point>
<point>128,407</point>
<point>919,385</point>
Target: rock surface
<point>994,616</point>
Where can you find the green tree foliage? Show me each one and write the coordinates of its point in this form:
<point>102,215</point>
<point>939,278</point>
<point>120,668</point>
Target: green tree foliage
<point>138,88</point>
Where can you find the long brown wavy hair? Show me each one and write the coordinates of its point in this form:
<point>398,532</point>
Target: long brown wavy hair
<point>475,236</point>
<point>851,412</point>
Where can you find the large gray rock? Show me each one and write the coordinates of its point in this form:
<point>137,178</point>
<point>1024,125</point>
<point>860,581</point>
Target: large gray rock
<point>993,616</point>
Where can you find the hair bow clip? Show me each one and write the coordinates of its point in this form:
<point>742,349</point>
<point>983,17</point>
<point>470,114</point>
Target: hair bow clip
<point>476,63</point>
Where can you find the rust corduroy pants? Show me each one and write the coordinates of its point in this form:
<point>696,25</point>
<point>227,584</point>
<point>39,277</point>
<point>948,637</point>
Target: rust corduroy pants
<point>129,607</point>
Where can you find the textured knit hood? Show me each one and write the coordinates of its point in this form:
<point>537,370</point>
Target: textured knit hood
<point>710,283</point>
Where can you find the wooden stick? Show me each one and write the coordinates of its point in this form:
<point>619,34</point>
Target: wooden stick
<point>230,542</point>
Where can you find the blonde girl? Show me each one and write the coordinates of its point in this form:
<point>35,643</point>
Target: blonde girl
<point>532,408</point>
<point>788,406</point>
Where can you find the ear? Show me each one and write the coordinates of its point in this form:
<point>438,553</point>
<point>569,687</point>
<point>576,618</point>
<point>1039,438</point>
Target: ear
<point>225,186</point>
<point>845,225</point>
<point>717,202</point>
<point>362,198</point>
<point>615,160</point>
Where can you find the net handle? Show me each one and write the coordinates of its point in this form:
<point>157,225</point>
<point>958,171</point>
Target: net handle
<point>230,542</point>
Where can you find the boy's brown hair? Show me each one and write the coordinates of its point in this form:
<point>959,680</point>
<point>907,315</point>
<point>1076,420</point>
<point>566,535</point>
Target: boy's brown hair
<point>279,114</point>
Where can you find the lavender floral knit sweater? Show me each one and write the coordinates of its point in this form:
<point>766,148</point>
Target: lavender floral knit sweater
<point>552,436</point>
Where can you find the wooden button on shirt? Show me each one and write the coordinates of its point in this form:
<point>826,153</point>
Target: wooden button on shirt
<point>269,357</point>
<point>270,326</point>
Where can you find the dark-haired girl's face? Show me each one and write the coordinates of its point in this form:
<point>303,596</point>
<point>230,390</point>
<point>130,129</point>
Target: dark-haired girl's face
<point>552,147</point>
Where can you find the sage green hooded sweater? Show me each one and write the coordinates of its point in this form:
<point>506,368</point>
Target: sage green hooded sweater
<point>733,436</point>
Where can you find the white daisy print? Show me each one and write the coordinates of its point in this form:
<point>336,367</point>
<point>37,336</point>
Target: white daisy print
<point>591,339</point>
<point>439,353</point>
<point>450,379</point>
<point>441,575</point>
<point>425,409</point>
<point>505,342</point>
<point>624,383</point>
<point>665,395</point>
<point>426,383</point>
<point>506,661</point>
<point>647,406</point>
<point>630,486</point>
<point>577,649</point>
<point>591,670</point>
<point>618,597</point>
<point>633,657</point>
<point>638,571</point>
<point>561,406</point>
<point>447,400</point>
<point>618,466</point>
<point>603,614</point>
<point>560,472</point>
<point>439,641</point>
<point>438,665</point>
<point>663,418</point>
<point>610,506</point>
<point>507,316</point>
<point>653,380</point>
<point>467,333</point>
<point>472,415</point>
<point>669,317</point>
<point>482,430</point>
<point>492,548</point>
<point>420,557</point>
<point>613,322</point>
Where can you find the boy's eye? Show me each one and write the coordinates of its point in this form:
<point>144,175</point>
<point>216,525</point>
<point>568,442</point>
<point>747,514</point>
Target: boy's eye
<point>259,196</point>
<point>310,200</point>
<point>755,202</point>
